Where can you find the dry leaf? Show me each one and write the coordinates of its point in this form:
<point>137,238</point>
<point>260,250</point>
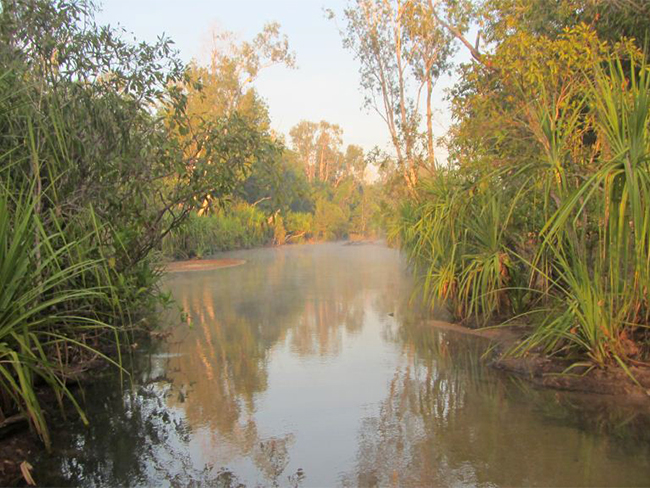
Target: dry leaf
<point>25,469</point>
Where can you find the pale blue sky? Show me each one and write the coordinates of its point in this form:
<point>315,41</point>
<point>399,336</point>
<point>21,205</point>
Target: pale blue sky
<point>326,83</point>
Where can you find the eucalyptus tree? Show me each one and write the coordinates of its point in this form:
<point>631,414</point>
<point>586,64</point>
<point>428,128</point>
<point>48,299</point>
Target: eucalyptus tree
<point>303,138</point>
<point>402,49</point>
<point>328,152</point>
<point>226,83</point>
<point>354,163</point>
<point>318,146</point>
<point>224,88</point>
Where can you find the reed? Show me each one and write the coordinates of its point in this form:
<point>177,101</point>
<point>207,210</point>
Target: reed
<point>45,312</point>
<point>561,242</point>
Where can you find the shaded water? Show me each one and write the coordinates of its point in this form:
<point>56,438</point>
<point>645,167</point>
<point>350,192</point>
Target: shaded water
<point>307,366</point>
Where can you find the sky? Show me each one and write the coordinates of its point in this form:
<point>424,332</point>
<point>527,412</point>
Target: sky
<point>325,86</point>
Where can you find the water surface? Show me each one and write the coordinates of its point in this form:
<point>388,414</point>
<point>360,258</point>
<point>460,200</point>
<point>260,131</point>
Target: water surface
<point>310,366</point>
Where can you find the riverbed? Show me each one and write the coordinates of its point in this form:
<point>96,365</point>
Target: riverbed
<point>314,365</point>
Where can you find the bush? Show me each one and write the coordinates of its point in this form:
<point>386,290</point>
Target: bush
<point>331,221</point>
<point>299,226</point>
<point>561,242</point>
<point>240,227</point>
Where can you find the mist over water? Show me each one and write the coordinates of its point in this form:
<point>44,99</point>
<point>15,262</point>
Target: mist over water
<point>311,365</point>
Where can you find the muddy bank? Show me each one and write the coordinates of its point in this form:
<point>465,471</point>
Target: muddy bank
<point>548,372</point>
<point>551,373</point>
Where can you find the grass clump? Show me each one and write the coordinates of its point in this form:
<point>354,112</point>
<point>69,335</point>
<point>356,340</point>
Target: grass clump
<point>559,241</point>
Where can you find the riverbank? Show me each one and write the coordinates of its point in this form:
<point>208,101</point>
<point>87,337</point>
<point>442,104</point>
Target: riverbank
<point>558,373</point>
<point>202,265</point>
<point>561,374</point>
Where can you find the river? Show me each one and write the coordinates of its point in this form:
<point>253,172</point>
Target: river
<point>312,365</point>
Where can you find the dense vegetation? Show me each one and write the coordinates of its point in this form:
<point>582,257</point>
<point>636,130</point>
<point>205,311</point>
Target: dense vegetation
<point>541,214</point>
<point>114,155</point>
<point>311,190</point>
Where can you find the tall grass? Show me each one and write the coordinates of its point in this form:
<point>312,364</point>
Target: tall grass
<point>604,286</point>
<point>241,226</point>
<point>456,238</point>
<point>42,319</point>
<point>57,293</point>
<point>561,243</point>
<point>61,300</point>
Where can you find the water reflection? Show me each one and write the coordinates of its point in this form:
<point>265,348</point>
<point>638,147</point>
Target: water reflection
<point>309,365</point>
<point>447,420</point>
<point>237,320</point>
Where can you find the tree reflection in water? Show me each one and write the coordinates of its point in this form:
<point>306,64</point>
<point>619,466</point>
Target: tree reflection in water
<point>225,356</point>
<point>434,415</point>
<point>450,421</point>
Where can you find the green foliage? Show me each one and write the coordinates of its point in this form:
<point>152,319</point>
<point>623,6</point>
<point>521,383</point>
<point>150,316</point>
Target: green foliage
<point>276,184</point>
<point>53,300</point>
<point>330,220</point>
<point>99,161</point>
<point>299,226</point>
<point>240,226</point>
<point>543,215</point>
<point>279,232</point>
